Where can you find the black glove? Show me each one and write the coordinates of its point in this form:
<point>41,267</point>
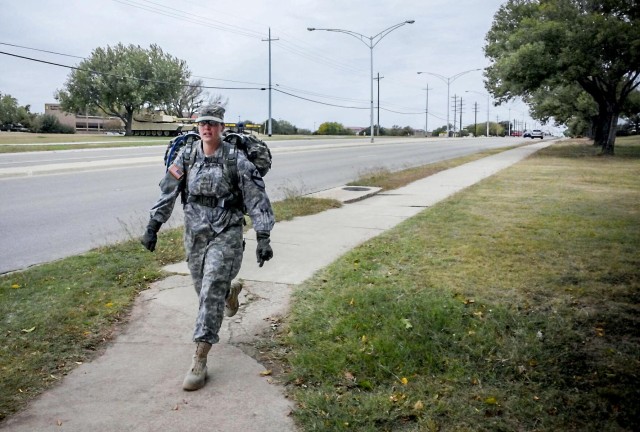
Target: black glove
<point>263,251</point>
<point>150,237</point>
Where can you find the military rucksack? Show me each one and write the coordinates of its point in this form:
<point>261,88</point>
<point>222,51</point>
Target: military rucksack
<point>255,149</point>
<point>176,144</point>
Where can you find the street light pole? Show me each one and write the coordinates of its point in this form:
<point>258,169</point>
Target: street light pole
<point>371,42</point>
<point>426,113</point>
<point>448,80</point>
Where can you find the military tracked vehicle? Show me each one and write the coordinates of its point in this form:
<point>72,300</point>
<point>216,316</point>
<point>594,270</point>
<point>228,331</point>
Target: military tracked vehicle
<point>160,124</point>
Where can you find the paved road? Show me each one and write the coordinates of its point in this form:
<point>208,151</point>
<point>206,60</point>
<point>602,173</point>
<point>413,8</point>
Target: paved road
<point>89,198</point>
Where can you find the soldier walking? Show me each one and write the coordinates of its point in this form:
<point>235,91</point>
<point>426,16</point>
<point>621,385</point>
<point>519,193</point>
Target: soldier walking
<point>213,220</point>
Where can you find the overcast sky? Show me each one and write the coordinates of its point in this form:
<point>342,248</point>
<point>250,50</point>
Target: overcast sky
<point>223,43</point>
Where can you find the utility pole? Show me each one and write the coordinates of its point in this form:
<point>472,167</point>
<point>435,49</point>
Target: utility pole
<point>460,128</point>
<point>475,119</point>
<point>455,112</point>
<point>269,40</point>
<point>378,79</point>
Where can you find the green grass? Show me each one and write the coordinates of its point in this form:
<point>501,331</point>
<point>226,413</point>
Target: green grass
<point>28,142</point>
<point>512,305</point>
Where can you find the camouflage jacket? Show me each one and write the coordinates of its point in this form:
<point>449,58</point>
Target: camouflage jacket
<point>209,178</point>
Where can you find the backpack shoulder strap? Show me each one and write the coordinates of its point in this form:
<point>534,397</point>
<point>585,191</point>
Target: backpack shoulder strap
<point>230,158</point>
<point>188,159</point>
<point>189,155</point>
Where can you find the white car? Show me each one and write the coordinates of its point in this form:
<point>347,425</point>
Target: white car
<point>536,133</point>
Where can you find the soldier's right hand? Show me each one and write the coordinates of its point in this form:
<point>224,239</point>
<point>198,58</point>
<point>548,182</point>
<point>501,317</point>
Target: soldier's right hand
<point>150,237</point>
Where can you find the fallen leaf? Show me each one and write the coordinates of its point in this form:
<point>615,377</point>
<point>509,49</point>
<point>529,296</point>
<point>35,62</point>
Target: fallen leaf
<point>404,381</point>
<point>407,323</point>
<point>364,338</point>
<point>28,330</point>
<point>478,314</point>
<point>110,304</point>
<point>349,376</point>
<point>175,408</point>
<point>418,406</point>
<point>469,301</point>
<point>15,286</point>
<point>599,331</point>
<point>491,400</point>
<point>266,372</point>
<point>351,302</point>
<point>59,422</point>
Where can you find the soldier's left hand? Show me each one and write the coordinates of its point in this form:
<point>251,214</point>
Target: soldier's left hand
<point>263,250</point>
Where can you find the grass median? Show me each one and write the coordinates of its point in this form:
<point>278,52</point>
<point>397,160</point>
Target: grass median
<point>512,305</point>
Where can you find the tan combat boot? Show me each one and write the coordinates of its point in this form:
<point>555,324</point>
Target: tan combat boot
<point>197,375</point>
<point>232,304</point>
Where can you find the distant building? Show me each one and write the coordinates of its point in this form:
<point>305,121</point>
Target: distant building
<point>84,123</point>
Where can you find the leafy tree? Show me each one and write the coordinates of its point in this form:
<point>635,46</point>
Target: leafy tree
<point>400,131</point>
<point>536,44</point>
<point>442,130</point>
<point>568,104</point>
<point>8,109</point>
<point>123,79</point>
<point>47,123</point>
<point>333,128</point>
<point>11,113</point>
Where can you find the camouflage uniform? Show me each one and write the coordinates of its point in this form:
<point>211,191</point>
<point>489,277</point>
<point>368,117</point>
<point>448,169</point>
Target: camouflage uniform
<point>213,230</point>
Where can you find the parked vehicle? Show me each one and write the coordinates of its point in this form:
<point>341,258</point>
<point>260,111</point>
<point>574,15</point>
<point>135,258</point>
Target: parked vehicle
<point>526,134</point>
<point>537,133</point>
<point>160,124</point>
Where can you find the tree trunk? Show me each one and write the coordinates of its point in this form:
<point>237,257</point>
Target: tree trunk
<point>128,121</point>
<point>610,139</point>
<point>600,130</point>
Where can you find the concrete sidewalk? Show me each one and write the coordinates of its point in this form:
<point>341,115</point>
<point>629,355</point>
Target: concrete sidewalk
<point>136,385</point>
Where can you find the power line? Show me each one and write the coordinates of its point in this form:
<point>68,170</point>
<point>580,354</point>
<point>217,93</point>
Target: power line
<point>318,102</point>
<point>185,16</point>
<point>124,76</point>
<point>41,50</point>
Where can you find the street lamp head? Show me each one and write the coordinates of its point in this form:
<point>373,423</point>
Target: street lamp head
<point>311,28</point>
<point>410,21</point>
<point>419,73</point>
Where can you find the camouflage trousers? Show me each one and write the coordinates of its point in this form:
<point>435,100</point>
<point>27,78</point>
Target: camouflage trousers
<point>214,260</point>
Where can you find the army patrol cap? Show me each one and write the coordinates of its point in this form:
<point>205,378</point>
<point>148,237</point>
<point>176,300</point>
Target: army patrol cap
<point>212,113</point>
